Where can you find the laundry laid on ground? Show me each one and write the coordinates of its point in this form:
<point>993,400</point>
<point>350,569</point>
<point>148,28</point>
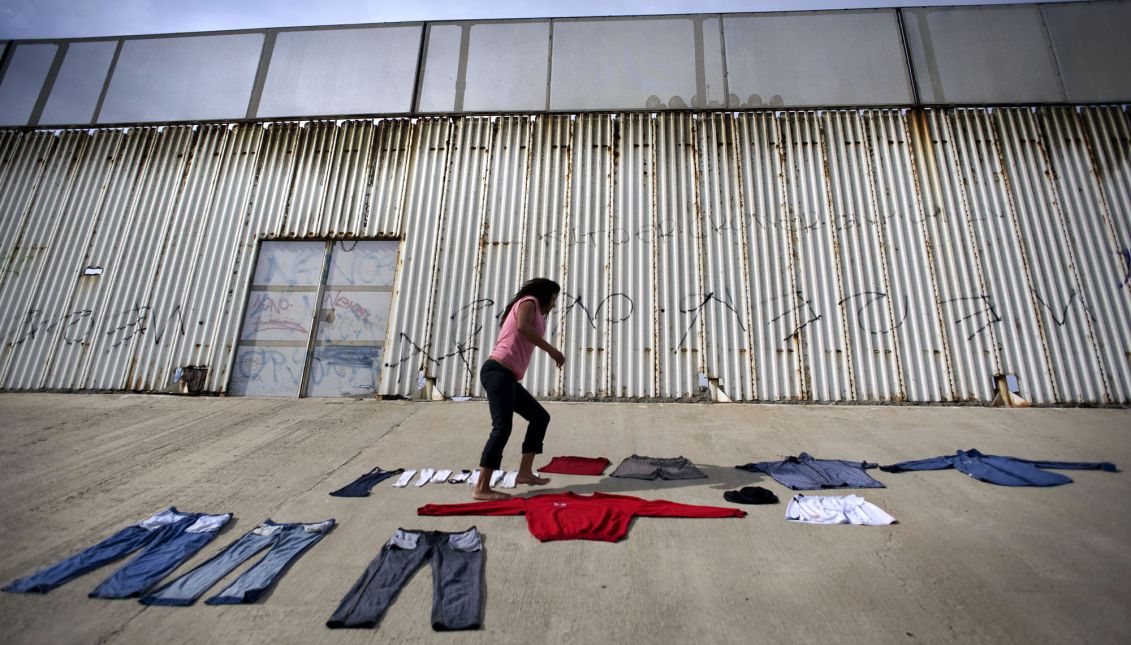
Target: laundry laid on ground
<point>361,486</point>
<point>457,579</point>
<point>569,516</point>
<point>751,495</point>
<point>1001,470</point>
<point>576,466</point>
<point>167,539</point>
<point>849,509</point>
<point>638,467</point>
<point>287,543</point>
<point>803,472</point>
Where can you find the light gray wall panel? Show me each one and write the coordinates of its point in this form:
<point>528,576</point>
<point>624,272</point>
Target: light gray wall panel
<point>23,82</point>
<point>75,94</point>
<point>816,59</point>
<point>636,64</point>
<point>182,79</point>
<point>980,55</point>
<point>341,71</point>
<point>1092,49</point>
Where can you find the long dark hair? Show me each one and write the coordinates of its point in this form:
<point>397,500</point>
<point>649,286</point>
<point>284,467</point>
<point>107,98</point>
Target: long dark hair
<point>543,289</point>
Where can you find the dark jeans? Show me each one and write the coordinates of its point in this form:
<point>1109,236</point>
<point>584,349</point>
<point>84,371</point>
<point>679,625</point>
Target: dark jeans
<point>457,580</point>
<point>506,397</point>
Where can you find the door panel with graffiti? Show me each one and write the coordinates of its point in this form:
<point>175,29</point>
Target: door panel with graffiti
<point>288,346</point>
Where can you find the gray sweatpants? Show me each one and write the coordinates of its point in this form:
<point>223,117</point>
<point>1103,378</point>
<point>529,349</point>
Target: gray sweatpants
<point>457,580</point>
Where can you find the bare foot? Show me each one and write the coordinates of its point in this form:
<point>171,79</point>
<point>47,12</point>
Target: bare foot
<point>489,495</point>
<point>532,480</point>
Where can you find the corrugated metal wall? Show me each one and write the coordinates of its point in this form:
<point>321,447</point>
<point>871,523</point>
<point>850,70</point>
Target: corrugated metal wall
<point>874,255</point>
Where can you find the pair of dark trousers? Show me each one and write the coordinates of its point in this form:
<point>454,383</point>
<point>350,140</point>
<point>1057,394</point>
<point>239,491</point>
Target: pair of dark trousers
<point>506,397</point>
<point>167,540</point>
<point>457,580</point>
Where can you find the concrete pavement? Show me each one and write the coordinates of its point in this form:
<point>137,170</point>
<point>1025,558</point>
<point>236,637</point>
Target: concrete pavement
<point>968,561</point>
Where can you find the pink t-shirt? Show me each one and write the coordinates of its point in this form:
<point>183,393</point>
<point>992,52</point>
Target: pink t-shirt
<point>512,349</point>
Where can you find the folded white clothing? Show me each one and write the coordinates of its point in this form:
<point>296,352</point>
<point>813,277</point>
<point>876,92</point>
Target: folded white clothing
<point>405,478</point>
<point>460,477</point>
<point>473,479</point>
<point>425,477</point>
<point>496,476</point>
<point>441,476</point>
<point>849,509</point>
<point>510,480</point>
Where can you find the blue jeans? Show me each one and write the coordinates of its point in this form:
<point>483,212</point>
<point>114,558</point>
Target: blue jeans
<point>287,542</point>
<point>168,538</point>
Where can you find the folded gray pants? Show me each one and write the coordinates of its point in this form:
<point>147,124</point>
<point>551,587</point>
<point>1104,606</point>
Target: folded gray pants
<point>638,467</point>
<point>457,580</point>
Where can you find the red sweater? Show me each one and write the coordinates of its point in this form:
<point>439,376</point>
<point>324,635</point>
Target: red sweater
<point>569,516</point>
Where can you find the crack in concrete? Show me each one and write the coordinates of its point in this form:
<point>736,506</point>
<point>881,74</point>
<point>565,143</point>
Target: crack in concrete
<point>335,469</point>
<point>122,628</point>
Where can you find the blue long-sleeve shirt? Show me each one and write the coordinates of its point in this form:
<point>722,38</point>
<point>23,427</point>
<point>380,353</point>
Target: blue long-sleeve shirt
<point>1004,471</point>
<point>803,472</point>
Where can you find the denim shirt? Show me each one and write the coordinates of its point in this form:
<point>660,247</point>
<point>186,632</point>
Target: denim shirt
<point>803,472</point>
<point>997,469</point>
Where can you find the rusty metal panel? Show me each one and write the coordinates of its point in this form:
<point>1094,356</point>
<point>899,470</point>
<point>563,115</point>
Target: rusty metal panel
<point>30,239</point>
<point>867,305</point>
<point>346,184</point>
<point>586,307</point>
<point>830,256</point>
<point>824,342</point>
<point>1009,284</point>
<point>1055,291</point>
<point>503,242</point>
<point>166,316</point>
<point>678,272</point>
<point>723,305</point>
<point>777,313</point>
<point>130,245</point>
<point>453,359</point>
<point>1090,154</point>
<point>966,309</point>
<point>912,295</point>
<point>387,178</point>
<point>634,355</point>
<point>409,354</point>
<point>549,189</point>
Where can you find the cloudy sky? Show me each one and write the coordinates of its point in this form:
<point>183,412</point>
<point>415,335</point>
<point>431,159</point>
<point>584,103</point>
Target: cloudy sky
<point>77,18</point>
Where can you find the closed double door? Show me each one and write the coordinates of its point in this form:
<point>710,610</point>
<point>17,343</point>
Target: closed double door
<point>316,317</point>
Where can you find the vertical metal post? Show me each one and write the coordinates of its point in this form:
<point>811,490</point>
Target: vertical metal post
<point>303,382</point>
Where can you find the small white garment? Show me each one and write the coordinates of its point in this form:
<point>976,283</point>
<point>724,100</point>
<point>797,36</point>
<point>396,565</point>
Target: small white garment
<point>209,523</point>
<point>460,477</point>
<point>509,480</point>
<point>849,509</point>
<point>405,478</point>
<point>496,476</point>
<point>425,477</point>
<point>163,518</point>
<point>473,479</point>
<point>441,476</point>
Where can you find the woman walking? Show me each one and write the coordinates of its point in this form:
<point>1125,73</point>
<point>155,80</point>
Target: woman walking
<point>522,329</point>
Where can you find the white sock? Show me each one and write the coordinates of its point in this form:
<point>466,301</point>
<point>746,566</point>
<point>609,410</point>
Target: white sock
<point>460,477</point>
<point>405,478</point>
<point>510,480</point>
<point>496,476</point>
<point>473,479</point>
<point>441,476</point>
<point>425,476</point>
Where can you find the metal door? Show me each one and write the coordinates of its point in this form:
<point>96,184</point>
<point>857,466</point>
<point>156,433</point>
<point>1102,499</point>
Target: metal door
<point>290,346</point>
